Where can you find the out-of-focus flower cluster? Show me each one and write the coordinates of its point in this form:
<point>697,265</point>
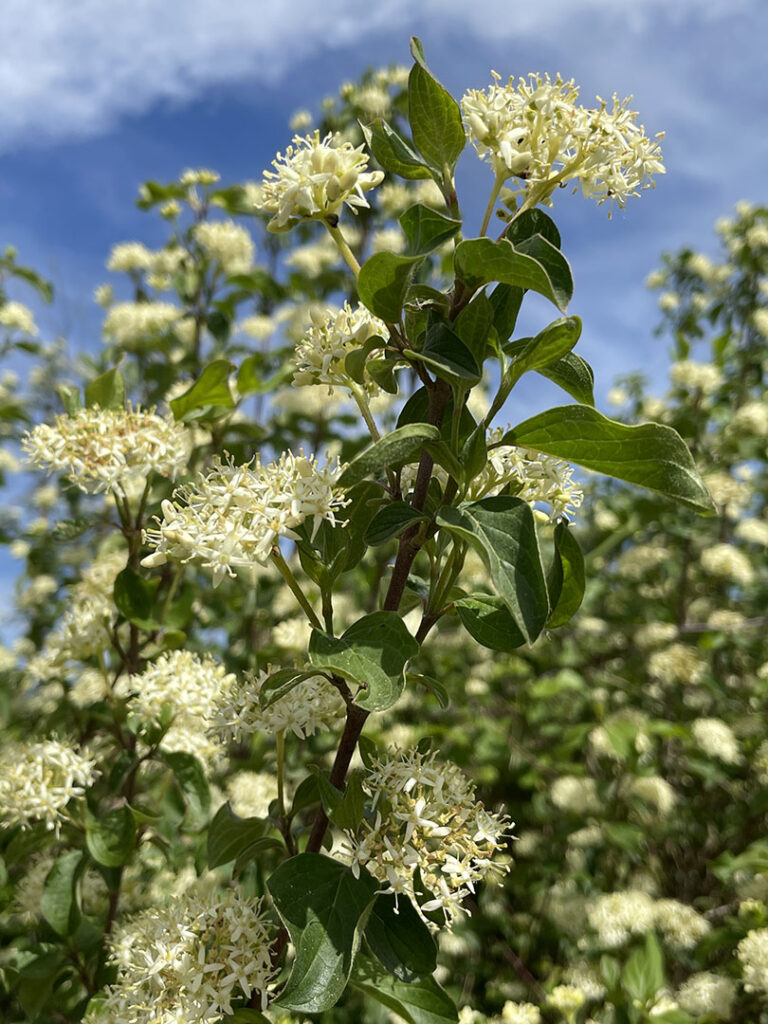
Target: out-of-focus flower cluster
<point>427,819</point>
<point>98,449</point>
<point>232,517</point>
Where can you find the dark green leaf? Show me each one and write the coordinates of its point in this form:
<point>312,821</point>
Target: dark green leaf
<point>111,837</point>
<point>393,152</point>
<point>348,813</point>
<point>279,683</point>
<point>234,838</point>
<point>394,449</point>
<point>418,1002</point>
<point>354,362</point>
<point>426,230</point>
<point>383,282</point>
<point>503,532</point>
<point>443,456</point>
<point>391,520</point>
<point>399,939</point>
<point>553,261</point>
<point>574,375</point>
<point>210,389</point>
<point>373,652</point>
<point>250,381</point>
<point>324,908</point>
<point>649,454</point>
<point>192,782</point>
<point>505,300</point>
<point>107,391</point>
<point>566,578</point>
<point>530,223</point>
<point>487,619</point>
<point>36,981</point>
<point>479,260</point>
<point>474,453</point>
<point>134,597</point>
<point>434,115</point>
<point>473,325</point>
<point>244,1015</point>
<point>58,903</point>
<point>448,356</point>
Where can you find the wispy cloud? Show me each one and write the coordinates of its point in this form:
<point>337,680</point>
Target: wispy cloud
<point>74,69</point>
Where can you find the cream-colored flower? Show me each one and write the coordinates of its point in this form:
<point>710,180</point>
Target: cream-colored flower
<point>37,781</point>
<point>708,995</point>
<point>227,243</point>
<point>314,179</point>
<point>537,131</point>
<point>130,323</point>
<point>333,335</point>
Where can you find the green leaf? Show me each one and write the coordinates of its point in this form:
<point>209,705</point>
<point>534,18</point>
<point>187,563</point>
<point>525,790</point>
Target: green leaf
<point>549,346</point>
<point>418,1002</point>
<point>553,261</point>
<point>234,838</point>
<point>566,579</point>
<point>480,260</point>
<point>434,115</point>
<point>111,837</point>
<point>251,382</point>
<point>383,282</point>
<point>70,398</point>
<point>36,981</point>
<point>354,361</point>
<point>649,454</point>
<point>643,974</point>
<point>106,391</point>
<point>574,375</point>
<point>349,811</point>
<point>503,532</point>
<point>426,230</point>
<point>190,776</point>
<point>399,939</point>
<point>280,683</point>
<point>474,324</point>
<point>505,300</point>
<point>394,449</point>
<point>58,903</point>
<point>134,597</point>
<point>324,908</point>
<point>443,456</point>
<point>474,453</point>
<point>487,619</point>
<point>210,389</point>
<point>448,356</point>
<point>391,520</point>
<point>373,652</point>
<point>530,223</point>
<point>393,152</point>
<point>244,1015</point>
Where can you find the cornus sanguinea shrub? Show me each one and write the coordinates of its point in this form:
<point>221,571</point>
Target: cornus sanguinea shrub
<point>299,634</point>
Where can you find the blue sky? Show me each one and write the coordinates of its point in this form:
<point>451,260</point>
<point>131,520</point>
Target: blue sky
<point>98,95</point>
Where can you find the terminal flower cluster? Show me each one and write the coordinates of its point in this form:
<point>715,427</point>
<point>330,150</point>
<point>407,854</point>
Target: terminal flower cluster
<point>536,130</point>
<point>333,335</point>
<point>101,449</point>
<point>187,961</point>
<point>227,243</point>
<point>232,517</point>
<point>312,705</point>
<point>37,781</point>
<point>426,818</point>
<point>130,323</point>
<point>313,180</point>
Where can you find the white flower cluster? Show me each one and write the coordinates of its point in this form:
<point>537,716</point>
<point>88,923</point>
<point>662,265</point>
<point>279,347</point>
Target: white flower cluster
<point>227,243</point>
<point>311,705</point>
<point>576,794</point>
<point>333,335</point>
<point>314,178</point>
<point>655,790</point>
<point>37,781</point>
<point>752,952</point>
<point>251,793</point>
<point>16,316</point>
<point>751,419</point>
<point>640,559</point>
<point>128,257</point>
<point>520,1013</point>
<point>676,664</point>
<point>130,323</point>
<point>760,322</point>
<point>536,130</point>
<point>566,999</point>
<point>427,818</point>
<point>99,449</point>
<point>532,476</point>
<point>716,739</point>
<point>189,687</point>
<point>395,197</point>
<point>616,916</point>
<point>703,377</point>
<point>727,562</point>
<point>707,995</point>
<point>232,517</point>
<point>186,962</point>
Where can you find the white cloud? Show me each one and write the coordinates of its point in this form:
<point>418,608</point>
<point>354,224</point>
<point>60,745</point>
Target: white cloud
<point>73,68</point>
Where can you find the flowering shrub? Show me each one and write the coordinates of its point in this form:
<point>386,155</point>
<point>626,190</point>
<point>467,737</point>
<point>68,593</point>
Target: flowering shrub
<point>299,628</point>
